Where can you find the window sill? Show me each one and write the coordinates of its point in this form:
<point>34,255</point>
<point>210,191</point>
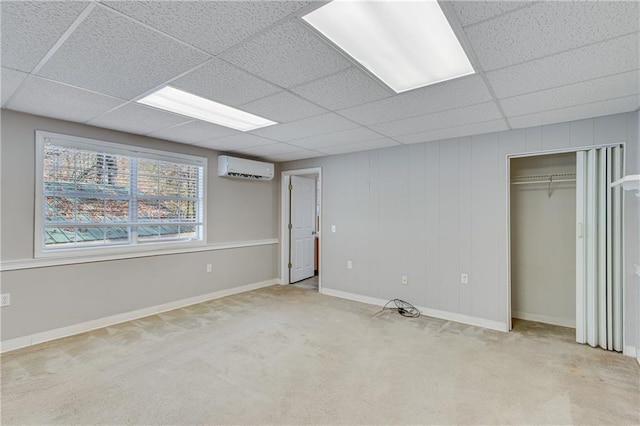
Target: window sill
<point>44,262</point>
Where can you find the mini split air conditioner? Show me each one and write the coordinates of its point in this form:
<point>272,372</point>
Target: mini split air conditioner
<point>244,169</point>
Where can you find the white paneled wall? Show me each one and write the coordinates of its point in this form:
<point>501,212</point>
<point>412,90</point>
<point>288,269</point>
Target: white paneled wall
<point>435,210</point>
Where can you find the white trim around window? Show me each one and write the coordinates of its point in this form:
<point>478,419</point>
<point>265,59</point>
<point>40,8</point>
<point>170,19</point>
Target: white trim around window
<point>100,207</point>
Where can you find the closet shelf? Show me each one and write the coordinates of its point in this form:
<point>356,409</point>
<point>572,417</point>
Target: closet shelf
<point>548,179</point>
<point>629,183</point>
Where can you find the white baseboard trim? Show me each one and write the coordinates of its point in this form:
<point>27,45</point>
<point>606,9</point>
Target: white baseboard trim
<point>630,351</point>
<point>435,313</point>
<point>562,322</point>
<point>58,333</point>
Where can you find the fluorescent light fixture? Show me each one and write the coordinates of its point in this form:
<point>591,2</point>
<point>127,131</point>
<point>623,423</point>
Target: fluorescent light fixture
<point>171,99</point>
<point>406,44</point>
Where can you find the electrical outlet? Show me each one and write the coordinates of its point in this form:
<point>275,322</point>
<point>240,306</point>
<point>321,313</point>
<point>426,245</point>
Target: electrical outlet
<point>464,279</point>
<point>209,267</point>
<point>405,280</point>
<point>5,299</point>
<point>349,264</point>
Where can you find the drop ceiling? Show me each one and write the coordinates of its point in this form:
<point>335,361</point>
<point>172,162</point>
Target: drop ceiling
<point>536,63</point>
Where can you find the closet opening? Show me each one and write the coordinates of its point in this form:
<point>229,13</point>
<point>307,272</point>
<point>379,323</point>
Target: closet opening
<point>565,239</point>
<point>543,238</point>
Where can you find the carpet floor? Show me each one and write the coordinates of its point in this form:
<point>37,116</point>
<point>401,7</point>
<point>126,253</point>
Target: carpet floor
<point>287,355</point>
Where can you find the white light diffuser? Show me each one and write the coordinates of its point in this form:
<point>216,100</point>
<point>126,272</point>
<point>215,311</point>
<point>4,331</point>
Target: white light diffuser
<point>406,44</point>
<point>178,101</point>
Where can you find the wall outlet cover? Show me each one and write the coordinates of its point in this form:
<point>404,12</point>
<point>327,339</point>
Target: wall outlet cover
<point>5,299</point>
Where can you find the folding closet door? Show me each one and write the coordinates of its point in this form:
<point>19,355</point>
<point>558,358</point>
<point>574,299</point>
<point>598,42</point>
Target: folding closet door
<point>599,248</point>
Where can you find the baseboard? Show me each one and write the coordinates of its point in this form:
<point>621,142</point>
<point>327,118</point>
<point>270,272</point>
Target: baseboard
<point>435,313</point>
<point>563,322</point>
<point>46,336</point>
<point>630,351</point>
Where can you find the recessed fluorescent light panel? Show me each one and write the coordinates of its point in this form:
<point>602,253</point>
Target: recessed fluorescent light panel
<point>175,100</point>
<point>406,44</point>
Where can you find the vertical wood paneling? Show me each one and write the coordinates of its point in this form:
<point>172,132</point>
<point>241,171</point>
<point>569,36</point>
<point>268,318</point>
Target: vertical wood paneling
<point>437,209</point>
<point>513,142</point>
<point>534,139</point>
<point>404,228</point>
<point>335,254</point>
<point>389,250</point>
<point>449,221</point>
<point>417,224</point>
<point>360,224</point>
<point>374,224</point>
<point>432,190</point>
<point>350,240</point>
<point>610,129</point>
<point>485,162</point>
<point>464,223</point>
<point>582,133</point>
<point>556,136</point>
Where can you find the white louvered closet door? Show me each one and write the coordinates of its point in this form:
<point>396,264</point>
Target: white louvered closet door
<point>599,253</point>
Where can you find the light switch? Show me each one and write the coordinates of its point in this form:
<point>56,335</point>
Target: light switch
<point>333,229</point>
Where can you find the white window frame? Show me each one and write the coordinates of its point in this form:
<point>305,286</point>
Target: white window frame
<point>119,149</point>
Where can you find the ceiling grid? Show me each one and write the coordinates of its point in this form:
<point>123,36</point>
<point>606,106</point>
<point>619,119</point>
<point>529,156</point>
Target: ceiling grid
<point>536,63</point>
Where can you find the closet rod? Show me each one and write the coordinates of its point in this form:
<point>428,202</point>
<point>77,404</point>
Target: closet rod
<point>543,181</point>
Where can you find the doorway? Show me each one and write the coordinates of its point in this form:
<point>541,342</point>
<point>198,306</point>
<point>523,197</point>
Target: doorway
<point>301,221</point>
<point>543,239</point>
<point>565,242</point>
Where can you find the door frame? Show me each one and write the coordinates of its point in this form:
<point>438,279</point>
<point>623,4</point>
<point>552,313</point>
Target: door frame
<point>508,158</point>
<point>285,201</point>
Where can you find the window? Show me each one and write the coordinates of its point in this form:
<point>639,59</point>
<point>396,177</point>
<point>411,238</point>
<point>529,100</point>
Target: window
<point>95,194</point>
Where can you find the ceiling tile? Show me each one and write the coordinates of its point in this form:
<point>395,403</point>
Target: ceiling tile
<point>359,146</point>
<point>192,132</point>
<point>549,27</point>
<point>596,109</point>
<point>292,156</point>
<point>438,97</point>
<point>283,107</point>
<point>343,90</point>
<point>307,127</point>
<point>110,54</point>
<point>236,142</point>
<point>594,61</point>
<point>454,132</point>
<point>470,12</point>
<point>11,80</point>
<point>287,55</point>
<point>50,99</point>
<point>439,120</point>
<point>273,149</point>
<point>31,28</point>
<point>137,118</point>
<point>600,89</point>
<point>220,24</point>
<point>359,134</point>
<point>224,83</point>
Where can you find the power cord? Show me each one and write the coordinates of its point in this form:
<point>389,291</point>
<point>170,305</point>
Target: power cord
<point>405,309</point>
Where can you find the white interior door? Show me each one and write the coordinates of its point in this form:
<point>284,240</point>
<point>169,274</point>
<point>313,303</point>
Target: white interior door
<point>302,225</point>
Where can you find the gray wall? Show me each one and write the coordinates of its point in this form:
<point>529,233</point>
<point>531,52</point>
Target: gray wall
<point>437,209</point>
<point>543,242</point>
<point>48,298</point>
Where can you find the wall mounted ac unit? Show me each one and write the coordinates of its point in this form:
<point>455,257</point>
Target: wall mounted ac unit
<point>234,167</point>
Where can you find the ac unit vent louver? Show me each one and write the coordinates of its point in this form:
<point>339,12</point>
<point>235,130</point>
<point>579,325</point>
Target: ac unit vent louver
<point>239,168</point>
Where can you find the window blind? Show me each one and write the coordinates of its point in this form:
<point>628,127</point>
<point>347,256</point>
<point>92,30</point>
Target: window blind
<point>108,197</point>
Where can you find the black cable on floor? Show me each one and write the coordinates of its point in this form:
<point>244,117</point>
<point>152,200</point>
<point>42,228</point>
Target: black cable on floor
<point>405,309</point>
